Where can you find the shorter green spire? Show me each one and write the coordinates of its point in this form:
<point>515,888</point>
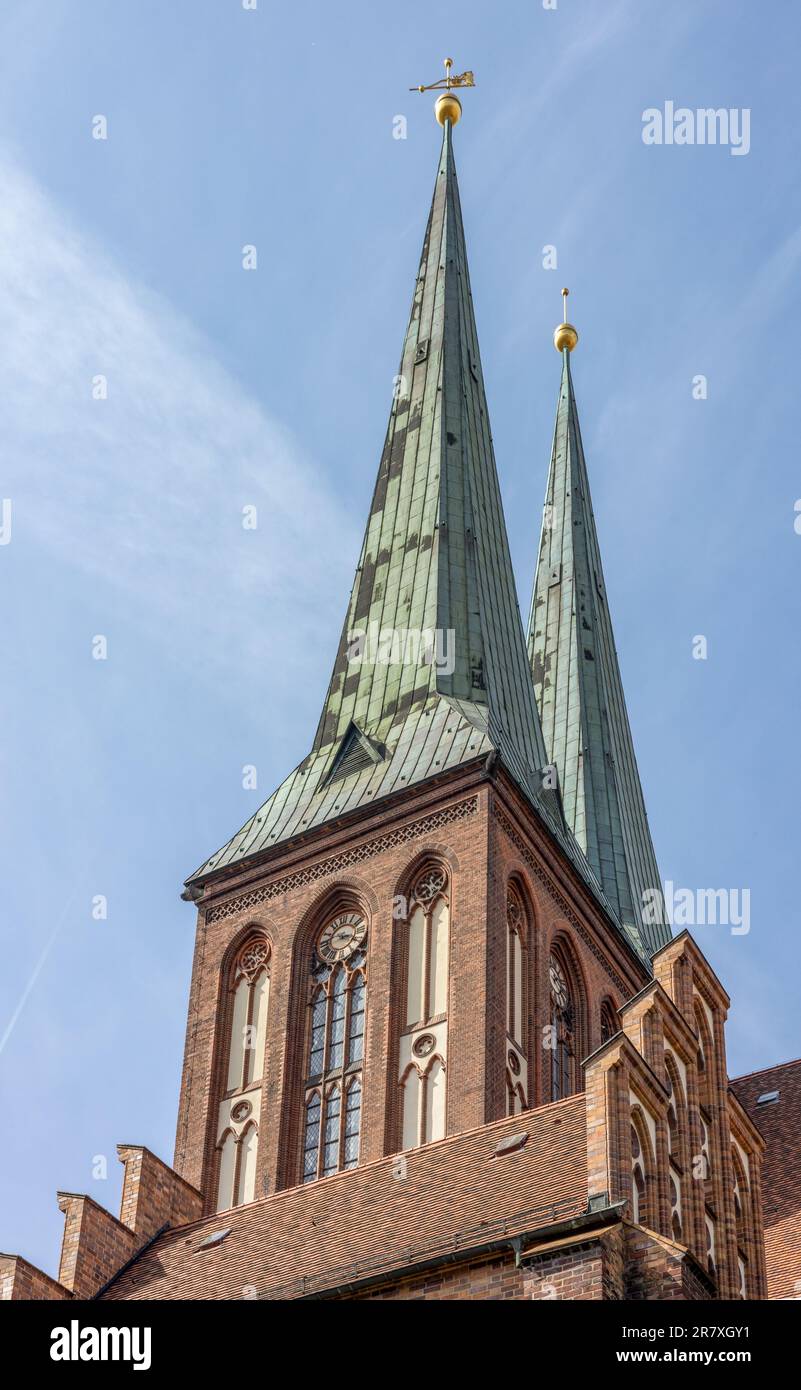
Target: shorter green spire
<point>578,685</point>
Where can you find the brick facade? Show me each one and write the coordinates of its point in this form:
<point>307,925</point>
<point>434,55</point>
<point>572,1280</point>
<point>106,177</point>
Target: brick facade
<point>483,834</point>
<point>21,1280</point>
<point>556,1211</point>
<point>94,1247</point>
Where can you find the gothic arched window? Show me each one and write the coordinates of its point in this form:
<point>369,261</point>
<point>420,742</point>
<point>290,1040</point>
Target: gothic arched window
<point>639,1177</point>
<point>711,1245</point>
<point>424,1039</point>
<point>742,1215</point>
<point>335,1047</point>
<point>609,1023</point>
<point>562,1037</point>
<point>677,1142</point>
<point>427,969</point>
<point>704,1056</point>
<point>515,924</point>
<point>516,1004</point>
<point>238,1111</point>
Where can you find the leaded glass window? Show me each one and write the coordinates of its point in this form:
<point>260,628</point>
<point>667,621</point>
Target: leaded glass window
<point>353,1116</point>
<point>335,1048</point>
<point>311,1142</point>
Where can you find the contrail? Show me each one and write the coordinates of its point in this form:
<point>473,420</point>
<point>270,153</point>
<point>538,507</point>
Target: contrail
<point>37,969</point>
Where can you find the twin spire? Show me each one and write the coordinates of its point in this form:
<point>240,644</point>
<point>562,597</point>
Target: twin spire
<point>578,686</point>
<point>432,670</point>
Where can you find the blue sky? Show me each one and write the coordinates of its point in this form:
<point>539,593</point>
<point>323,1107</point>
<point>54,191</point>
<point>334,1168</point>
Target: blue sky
<point>226,388</point>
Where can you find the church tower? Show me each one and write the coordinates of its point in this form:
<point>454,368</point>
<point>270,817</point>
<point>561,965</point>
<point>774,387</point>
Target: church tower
<point>429,1051</point>
<point>371,929</point>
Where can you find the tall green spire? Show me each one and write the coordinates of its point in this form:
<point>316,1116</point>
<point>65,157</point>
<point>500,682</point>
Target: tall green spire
<point>435,560</point>
<point>578,685</point>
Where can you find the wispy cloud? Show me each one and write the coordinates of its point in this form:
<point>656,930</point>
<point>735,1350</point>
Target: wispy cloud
<point>144,491</point>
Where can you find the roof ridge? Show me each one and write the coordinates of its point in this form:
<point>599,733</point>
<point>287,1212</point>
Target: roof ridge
<point>760,1071</point>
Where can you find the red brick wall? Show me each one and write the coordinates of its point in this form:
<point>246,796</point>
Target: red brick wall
<point>575,1273</point>
<point>621,1262</point>
<point>656,1269</point>
<point>153,1194</point>
<point>94,1247</point>
<point>483,834</point>
<point>488,1279</point>
<point>21,1280</point>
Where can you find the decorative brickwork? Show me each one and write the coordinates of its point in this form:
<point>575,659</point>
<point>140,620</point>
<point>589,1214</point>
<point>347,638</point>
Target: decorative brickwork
<point>336,863</point>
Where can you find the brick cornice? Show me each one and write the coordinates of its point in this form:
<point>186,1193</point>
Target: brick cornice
<point>335,863</point>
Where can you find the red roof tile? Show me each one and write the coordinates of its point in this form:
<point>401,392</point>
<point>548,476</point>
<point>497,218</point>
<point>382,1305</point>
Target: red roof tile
<point>456,1195</point>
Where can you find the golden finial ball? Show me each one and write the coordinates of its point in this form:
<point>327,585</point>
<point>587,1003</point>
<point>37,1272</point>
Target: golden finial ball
<point>565,336</point>
<point>448,108</point>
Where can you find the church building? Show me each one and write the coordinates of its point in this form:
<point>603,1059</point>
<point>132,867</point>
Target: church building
<point>440,1041</point>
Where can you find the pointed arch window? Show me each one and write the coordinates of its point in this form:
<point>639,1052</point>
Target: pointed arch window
<point>424,1039</point>
<point>704,1056</point>
<point>516,1004</point>
<point>742,1215</point>
<point>427,965</point>
<point>706,1162</point>
<point>609,1023</point>
<point>332,1086</point>
<point>424,1096</point>
<point>562,1029</point>
<point>677,1139</point>
<point>639,1178</point>
<point>740,1192</point>
<point>515,929</point>
<point>238,1110</point>
<point>711,1244</point>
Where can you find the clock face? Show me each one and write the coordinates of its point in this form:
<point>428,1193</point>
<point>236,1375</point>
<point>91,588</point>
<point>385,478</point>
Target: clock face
<point>341,937</point>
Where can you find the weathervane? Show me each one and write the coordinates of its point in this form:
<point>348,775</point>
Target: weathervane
<point>448,107</point>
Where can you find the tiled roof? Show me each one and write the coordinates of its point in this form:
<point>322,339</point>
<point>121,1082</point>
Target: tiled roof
<point>779,1122</point>
<point>579,689</point>
<point>435,558</point>
<point>457,1194</point>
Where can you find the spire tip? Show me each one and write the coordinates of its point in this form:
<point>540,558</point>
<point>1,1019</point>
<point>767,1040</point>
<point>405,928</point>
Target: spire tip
<point>565,335</point>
